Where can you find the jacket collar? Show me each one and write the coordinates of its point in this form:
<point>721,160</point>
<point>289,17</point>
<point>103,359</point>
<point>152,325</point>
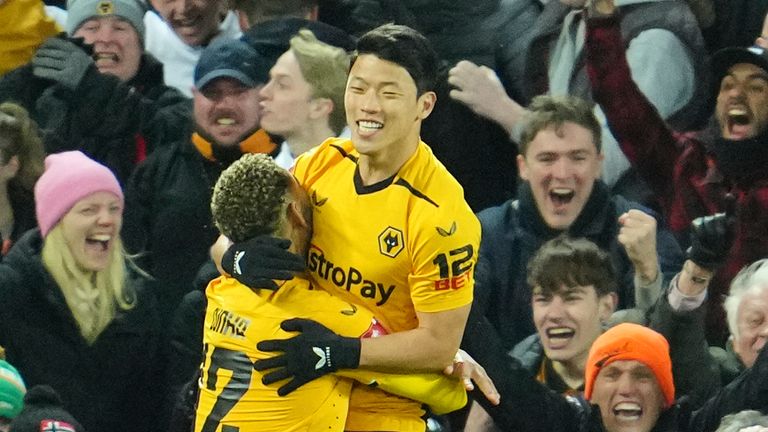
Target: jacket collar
<point>257,142</point>
<point>590,223</point>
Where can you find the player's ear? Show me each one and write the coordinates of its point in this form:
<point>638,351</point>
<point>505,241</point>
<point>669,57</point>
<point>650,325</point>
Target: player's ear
<point>295,217</point>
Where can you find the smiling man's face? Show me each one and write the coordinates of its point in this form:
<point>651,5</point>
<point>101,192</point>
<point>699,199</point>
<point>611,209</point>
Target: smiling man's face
<point>116,45</point>
<point>628,395</point>
<point>742,102</point>
<point>569,320</point>
<point>561,164</point>
<point>196,22</point>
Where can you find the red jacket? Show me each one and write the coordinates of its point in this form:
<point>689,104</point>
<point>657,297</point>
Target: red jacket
<point>678,167</point>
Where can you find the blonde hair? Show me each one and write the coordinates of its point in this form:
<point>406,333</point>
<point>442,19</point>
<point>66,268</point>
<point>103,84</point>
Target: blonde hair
<point>325,67</point>
<point>92,297</point>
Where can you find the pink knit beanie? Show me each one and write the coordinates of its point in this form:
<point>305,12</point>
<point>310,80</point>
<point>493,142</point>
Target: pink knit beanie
<point>68,178</point>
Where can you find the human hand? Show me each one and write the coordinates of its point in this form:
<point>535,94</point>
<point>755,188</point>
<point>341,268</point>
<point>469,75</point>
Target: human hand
<point>638,236</point>
<point>712,236</point>
<point>315,352</point>
<point>469,371</point>
<point>257,262</point>
<point>62,61</point>
<point>479,88</point>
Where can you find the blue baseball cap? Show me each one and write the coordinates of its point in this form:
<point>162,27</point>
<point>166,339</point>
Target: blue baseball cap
<point>231,58</point>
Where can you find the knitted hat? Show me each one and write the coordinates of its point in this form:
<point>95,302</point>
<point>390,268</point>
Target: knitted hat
<point>68,178</point>
<point>12,391</point>
<point>231,58</point>
<point>631,342</point>
<point>43,411</point>
<point>78,11</point>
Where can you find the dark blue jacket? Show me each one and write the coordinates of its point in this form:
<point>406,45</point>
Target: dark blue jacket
<point>514,231</point>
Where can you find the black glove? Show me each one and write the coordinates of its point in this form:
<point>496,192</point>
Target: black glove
<point>62,61</point>
<point>258,261</point>
<point>712,236</point>
<point>315,352</point>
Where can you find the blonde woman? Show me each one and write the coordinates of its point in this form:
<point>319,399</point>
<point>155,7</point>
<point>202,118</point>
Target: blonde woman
<point>73,314</point>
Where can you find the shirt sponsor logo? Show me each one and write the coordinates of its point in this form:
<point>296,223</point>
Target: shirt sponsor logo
<point>350,278</point>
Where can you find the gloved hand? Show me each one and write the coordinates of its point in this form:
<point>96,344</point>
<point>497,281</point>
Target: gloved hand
<point>315,352</point>
<point>258,261</point>
<point>62,61</point>
<point>712,236</point>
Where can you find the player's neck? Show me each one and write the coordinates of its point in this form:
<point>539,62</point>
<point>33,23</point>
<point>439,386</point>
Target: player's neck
<point>379,166</point>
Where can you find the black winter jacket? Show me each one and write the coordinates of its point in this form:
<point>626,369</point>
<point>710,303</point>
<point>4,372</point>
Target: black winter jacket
<point>111,385</point>
<point>115,123</point>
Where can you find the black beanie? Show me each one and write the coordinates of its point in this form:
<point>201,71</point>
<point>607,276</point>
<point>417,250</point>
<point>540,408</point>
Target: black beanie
<point>43,412</point>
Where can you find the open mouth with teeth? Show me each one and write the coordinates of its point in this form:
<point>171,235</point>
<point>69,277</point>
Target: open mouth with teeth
<point>627,411</point>
<point>561,196</point>
<point>559,337</point>
<point>225,121</point>
<point>369,126</point>
<point>739,121</point>
<point>99,241</point>
<point>105,58</point>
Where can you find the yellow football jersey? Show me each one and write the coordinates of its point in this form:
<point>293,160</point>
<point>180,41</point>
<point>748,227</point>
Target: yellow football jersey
<point>406,244</point>
<point>232,396</point>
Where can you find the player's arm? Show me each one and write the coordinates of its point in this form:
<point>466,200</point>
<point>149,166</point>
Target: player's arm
<point>429,347</point>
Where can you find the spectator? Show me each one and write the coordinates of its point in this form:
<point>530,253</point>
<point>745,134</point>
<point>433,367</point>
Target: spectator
<point>560,163</point>
<point>691,178</point>
<point>668,58</point>
<point>304,99</point>
<point>574,295</point>
<point>104,97</point>
<point>24,25</point>
<point>179,30</point>
<point>746,309</point>
<point>628,386</point>
<point>21,163</point>
<point>168,216</point>
<point>43,412</point>
<point>12,390</point>
<point>73,313</point>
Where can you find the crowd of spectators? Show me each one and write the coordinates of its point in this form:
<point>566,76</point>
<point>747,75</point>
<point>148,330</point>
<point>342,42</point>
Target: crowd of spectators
<point>572,197</point>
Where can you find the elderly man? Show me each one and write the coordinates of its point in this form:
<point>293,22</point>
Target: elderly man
<point>692,178</point>
<point>100,94</point>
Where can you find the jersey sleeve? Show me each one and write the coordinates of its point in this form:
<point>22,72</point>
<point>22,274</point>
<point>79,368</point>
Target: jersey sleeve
<point>444,257</point>
<point>442,393</point>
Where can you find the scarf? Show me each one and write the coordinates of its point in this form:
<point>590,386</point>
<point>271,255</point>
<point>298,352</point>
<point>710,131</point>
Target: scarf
<point>745,159</point>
